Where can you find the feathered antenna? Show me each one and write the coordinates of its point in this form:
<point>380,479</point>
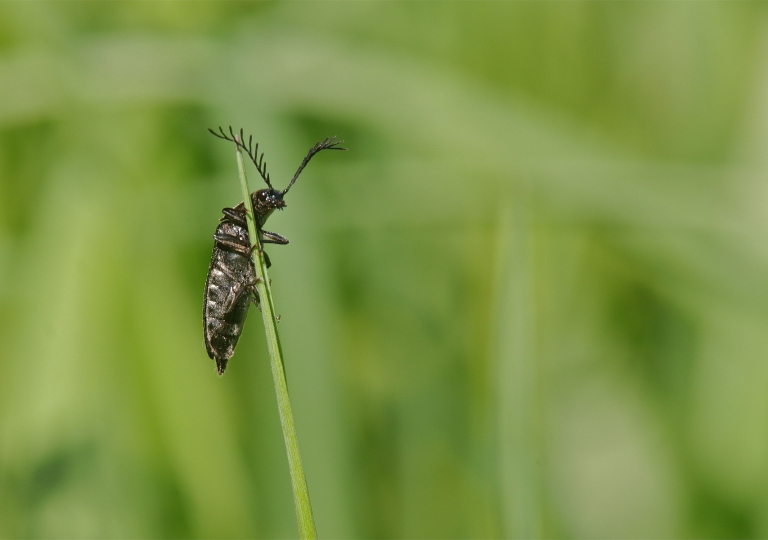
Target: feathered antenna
<point>325,144</point>
<point>253,152</point>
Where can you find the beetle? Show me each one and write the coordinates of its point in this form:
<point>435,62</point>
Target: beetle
<point>230,287</point>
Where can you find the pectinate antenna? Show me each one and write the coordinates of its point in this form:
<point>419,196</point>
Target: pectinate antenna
<point>253,152</point>
<point>326,144</point>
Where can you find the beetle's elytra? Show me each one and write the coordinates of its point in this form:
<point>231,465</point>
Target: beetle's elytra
<point>231,283</point>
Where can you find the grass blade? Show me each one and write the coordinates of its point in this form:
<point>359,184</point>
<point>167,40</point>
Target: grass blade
<point>304,515</point>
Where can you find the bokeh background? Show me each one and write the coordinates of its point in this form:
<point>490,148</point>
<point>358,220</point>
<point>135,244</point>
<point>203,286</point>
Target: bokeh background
<point>531,300</point>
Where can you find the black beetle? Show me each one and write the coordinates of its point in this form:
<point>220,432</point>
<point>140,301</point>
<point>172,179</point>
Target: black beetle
<point>231,282</point>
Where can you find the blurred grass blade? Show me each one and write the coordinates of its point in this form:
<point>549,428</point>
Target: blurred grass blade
<point>516,374</point>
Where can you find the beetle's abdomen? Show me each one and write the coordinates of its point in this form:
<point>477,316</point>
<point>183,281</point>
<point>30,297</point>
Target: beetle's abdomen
<point>227,294</point>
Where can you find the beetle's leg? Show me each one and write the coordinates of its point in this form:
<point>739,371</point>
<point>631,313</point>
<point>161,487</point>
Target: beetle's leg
<point>238,288</point>
<point>255,298</point>
<point>224,270</point>
<point>266,257</point>
<point>234,295</point>
<point>238,218</point>
<point>232,242</point>
<point>273,238</point>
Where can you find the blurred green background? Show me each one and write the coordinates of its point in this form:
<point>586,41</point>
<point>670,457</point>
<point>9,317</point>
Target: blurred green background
<point>530,301</point>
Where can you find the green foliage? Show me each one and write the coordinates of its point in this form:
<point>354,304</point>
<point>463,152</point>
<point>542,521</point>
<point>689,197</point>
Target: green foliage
<point>530,300</point>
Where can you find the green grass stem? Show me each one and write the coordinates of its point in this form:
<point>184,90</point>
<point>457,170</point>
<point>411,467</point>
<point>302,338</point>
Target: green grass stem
<point>304,515</point>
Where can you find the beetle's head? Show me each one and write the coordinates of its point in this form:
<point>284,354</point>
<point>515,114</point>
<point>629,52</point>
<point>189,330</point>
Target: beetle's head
<point>266,200</point>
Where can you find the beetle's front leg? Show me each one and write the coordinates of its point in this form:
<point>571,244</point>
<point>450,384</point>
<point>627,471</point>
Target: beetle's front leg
<point>231,242</point>
<point>235,216</point>
<point>273,238</point>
